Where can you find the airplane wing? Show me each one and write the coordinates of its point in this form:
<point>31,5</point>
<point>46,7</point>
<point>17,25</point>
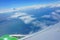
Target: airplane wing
<point>51,33</point>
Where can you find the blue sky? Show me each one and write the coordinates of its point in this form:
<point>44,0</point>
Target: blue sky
<point>19,3</point>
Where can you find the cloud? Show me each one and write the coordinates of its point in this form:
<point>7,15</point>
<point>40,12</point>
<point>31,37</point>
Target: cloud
<point>18,14</point>
<point>39,24</point>
<point>6,10</point>
<point>54,5</point>
<point>23,16</point>
<point>31,7</point>
<point>55,15</point>
<point>22,8</point>
<point>27,19</point>
<point>46,16</point>
<point>15,16</point>
<point>57,10</point>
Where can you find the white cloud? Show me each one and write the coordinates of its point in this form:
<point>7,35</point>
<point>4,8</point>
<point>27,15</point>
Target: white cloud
<point>57,10</point>
<point>6,10</point>
<point>39,24</point>
<point>46,16</point>
<point>15,15</point>
<point>55,15</point>
<point>18,14</point>
<point>52,5</point>
<point>27,19</point>
<point>31,7</point>
<point>23,16</point>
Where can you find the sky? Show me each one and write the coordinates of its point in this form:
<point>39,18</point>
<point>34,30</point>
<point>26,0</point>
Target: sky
<point>20,3</point>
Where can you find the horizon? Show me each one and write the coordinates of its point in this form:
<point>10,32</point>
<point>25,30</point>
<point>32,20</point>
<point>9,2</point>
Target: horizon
<point>6,4</point>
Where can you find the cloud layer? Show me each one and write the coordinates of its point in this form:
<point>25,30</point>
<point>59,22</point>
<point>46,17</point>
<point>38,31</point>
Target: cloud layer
<point>23,16</point>
<point>51,5</point>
